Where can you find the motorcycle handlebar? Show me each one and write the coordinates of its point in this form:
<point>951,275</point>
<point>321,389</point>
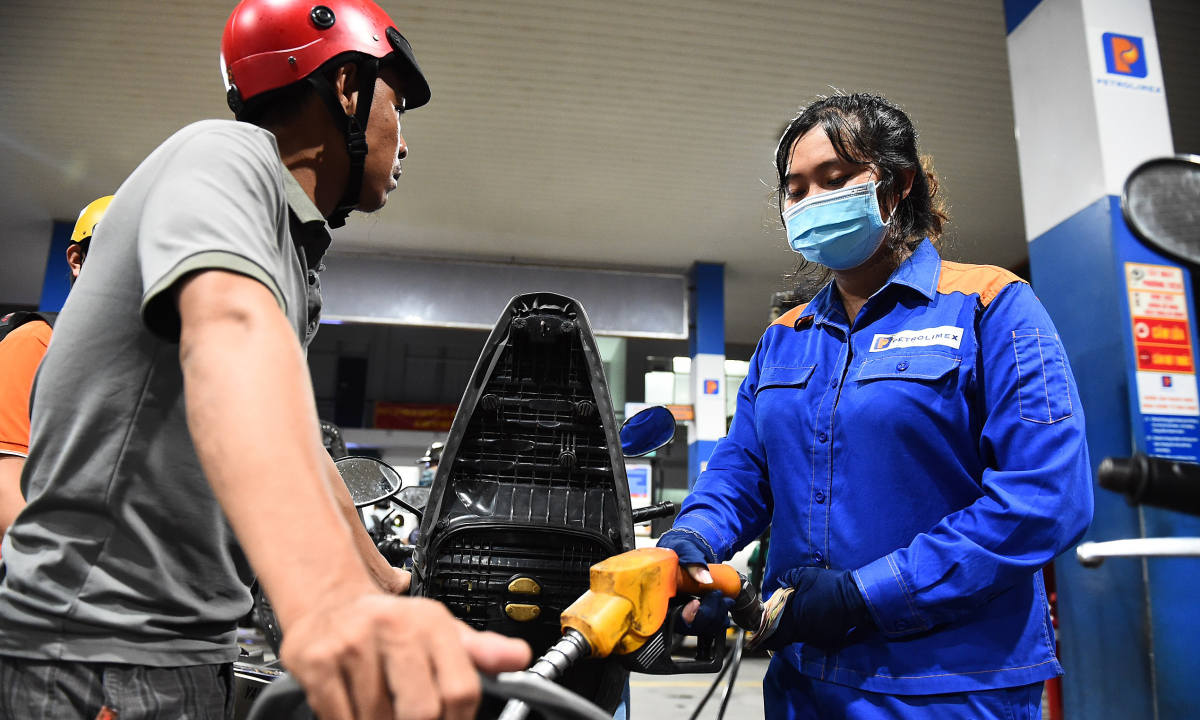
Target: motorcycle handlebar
<point>395,551</point>
<point>654,512</point>
<point>284,699</point>
<point>1145,480</point>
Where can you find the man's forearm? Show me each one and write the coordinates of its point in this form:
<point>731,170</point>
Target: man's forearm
<point>381,570</point>
<point>12,501</point>
<point>253,422</point>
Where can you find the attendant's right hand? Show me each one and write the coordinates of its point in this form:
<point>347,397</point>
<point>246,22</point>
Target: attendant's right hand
<point>705,616</point>
<point>370,656</point>
<point>694,553</point>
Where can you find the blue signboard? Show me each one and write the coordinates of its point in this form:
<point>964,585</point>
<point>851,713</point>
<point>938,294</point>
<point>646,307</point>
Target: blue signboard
<point>1160,327</point>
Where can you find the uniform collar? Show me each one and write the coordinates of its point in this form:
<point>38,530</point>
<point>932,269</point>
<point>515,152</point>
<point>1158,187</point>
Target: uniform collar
<point>823,308</point>
<point>920,272</point>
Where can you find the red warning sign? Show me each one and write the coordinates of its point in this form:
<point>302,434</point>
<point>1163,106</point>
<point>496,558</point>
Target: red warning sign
<point>1164,359</point>
<point>1162,340</point>
<point>1161,333</point>
<point>1163,345</point>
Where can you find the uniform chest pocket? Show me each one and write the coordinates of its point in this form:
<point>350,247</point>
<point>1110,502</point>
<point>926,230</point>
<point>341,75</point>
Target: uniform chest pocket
<point>926,367</point>
<point>1043,392</point>
<point>784,377</point>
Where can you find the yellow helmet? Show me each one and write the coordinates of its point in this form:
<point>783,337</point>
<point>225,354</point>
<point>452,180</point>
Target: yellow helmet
<point>88,218</point>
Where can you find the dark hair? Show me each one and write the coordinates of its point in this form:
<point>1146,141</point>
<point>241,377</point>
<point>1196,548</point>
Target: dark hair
<point>866,129</point>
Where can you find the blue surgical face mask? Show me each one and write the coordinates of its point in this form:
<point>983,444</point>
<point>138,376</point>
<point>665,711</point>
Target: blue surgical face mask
<point>839,229</point>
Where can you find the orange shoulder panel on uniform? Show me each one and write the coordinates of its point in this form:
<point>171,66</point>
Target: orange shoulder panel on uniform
<point>20,354</point>
<point>791,317</point>
<point>986,281</point>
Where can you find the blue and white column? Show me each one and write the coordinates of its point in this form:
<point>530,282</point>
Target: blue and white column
<point>706,346</point>
<point>1090,106</point>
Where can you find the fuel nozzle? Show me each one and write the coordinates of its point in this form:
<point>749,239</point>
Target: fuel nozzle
<point>747,607</point>
<point>628,611</point>
<point>747,610</point>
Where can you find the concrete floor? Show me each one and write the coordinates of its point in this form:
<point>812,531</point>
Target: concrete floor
<point>674,697</point>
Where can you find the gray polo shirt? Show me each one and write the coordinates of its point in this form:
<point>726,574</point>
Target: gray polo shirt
<point>123,554</point>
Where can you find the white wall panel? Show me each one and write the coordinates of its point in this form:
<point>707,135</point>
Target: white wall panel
<point>1131,112</point>
<point>1059,140</point>
<point>1081,128</point>
<point>407,291</point>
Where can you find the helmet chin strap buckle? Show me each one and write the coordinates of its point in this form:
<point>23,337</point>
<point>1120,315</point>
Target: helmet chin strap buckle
<point>354,130</point>
<point>356,147</point>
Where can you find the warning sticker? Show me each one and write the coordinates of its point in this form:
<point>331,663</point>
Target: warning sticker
<point>1162,345</point>
<point>1167,394</point>
<point>1163,278</point>
<point>1162,340</point>
<point>1158,305</point>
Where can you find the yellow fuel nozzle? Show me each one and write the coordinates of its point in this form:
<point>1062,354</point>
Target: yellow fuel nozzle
<point>629,596</point>
<point>626,606</point>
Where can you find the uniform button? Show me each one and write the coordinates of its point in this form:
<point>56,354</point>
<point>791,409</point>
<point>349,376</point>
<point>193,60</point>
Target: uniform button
<point>822,437</point>
<point>901,625</point>
<point>833,382</point>
<point>818,556</point>
<point>902,365</point>
<point>820,496</point>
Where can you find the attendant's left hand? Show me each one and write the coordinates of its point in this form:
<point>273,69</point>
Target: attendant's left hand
<point>824,608</point>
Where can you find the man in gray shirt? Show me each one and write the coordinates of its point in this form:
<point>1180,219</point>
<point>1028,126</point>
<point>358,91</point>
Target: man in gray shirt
<point>175,442</point>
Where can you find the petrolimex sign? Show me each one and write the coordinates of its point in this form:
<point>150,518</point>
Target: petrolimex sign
<point>1126,64</point>
<point>1124,55</point>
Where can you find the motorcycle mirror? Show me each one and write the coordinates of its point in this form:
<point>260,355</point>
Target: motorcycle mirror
<point>1161,205</point>
<point>413,498</point>
<point>368,480</point>
<point>647,431</point>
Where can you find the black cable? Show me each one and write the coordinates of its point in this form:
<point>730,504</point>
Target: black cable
<point>735,663</point>
<point>711,689</point>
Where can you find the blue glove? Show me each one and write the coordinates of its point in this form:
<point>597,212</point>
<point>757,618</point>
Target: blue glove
<point>691,548</point>
<point>711,619</point>
<point>825,606</point>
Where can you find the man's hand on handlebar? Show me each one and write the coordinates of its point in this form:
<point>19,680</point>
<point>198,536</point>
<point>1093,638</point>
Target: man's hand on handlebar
<point>370,656</point>
<point>400,583</point>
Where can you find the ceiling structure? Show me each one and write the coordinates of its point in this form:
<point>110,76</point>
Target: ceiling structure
<point>623,134</point>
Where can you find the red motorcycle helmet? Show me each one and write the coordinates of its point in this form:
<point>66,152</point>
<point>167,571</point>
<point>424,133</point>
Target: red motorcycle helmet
<point>271,44</point>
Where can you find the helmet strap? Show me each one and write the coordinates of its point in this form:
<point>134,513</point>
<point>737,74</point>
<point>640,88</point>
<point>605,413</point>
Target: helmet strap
<point>353,129</point>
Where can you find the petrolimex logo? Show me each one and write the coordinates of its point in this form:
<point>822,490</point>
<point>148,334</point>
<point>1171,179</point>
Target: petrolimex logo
<point>945,335</point>
<point>1124,55</point>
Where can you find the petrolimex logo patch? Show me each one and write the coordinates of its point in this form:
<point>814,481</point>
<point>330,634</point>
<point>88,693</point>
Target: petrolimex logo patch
<point>1124,55</point>
<point>945,335</point>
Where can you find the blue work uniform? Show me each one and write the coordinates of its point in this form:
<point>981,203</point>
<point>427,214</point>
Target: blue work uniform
<point>936,448</point>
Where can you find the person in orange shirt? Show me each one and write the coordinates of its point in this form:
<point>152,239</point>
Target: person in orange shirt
<point>21,351</point>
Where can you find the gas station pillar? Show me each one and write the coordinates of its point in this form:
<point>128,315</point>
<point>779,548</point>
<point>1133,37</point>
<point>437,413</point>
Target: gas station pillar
<point>706,346</point>
<point>1090,106</point>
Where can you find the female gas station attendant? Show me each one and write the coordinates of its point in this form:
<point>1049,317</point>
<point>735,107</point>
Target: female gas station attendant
<point>914,437</point>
